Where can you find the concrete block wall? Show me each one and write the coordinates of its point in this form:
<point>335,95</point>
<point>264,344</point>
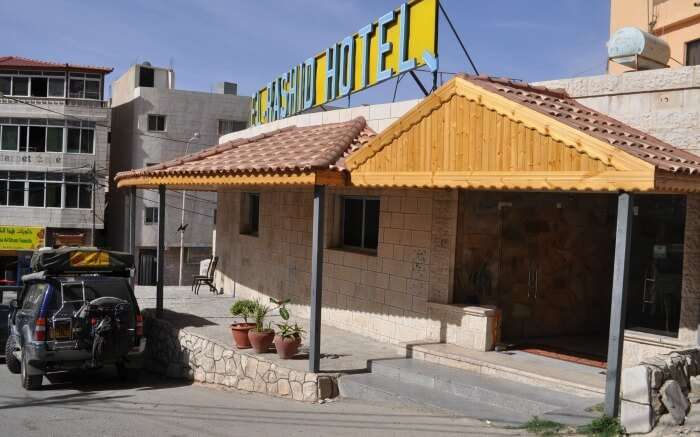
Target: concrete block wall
<point>383,296</point>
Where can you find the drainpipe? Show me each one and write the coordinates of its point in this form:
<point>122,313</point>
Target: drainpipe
<point>316,279</point>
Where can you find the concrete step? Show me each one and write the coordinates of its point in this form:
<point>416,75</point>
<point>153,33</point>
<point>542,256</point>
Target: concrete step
<point>517,366</point>
<point>413,382</point>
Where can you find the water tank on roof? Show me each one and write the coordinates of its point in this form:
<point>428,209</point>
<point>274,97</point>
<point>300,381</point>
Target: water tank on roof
<point>637,49</point>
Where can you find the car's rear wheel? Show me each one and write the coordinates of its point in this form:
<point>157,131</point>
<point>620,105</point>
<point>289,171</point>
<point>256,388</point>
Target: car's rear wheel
<point>13,364</point>
<point>30,382</point>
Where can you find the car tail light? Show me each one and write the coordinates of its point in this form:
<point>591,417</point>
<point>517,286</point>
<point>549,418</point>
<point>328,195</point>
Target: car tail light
<point>139,325</point>
<point>40,329</point>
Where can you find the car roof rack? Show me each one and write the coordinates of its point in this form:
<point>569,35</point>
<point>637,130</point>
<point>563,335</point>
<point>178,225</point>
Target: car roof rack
<point>79,261</point>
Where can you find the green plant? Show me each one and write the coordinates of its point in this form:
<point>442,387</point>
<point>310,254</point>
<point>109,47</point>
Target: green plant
<point>259,315</point>
<point>243,308</point>
<point>604,426</point>
<point>289,331</point>
<point>542,427</point>
<point>282,305</point>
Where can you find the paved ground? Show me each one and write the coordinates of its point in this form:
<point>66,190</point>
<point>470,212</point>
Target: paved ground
<point>77,406</point>
<point>208,315</point>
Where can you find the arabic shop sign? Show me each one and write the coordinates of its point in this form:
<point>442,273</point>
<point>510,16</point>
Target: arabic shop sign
<point>21,237</point>
<point>401,40</point>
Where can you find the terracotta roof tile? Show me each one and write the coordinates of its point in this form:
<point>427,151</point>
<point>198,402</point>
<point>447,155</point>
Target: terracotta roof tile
<point>20,62</point>
<point>559,105</point>
<point>290,149</point>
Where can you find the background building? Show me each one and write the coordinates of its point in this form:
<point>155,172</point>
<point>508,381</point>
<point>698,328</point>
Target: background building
<point>677,22</point>
<point>153,123</point>
<point>54,130</point>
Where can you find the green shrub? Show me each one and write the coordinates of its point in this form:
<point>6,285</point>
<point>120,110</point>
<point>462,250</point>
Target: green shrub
<point>243,308</point>
<point>602,427</point>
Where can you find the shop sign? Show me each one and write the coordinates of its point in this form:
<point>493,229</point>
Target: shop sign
<point>401,40</point>
<point>21,237</point>
<point>16,158</point>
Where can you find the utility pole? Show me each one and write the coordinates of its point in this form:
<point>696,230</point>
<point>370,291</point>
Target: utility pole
<point>181,229</point>
<point>94,184</point>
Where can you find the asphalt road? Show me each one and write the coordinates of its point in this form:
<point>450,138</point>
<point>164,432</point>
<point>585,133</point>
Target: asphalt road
<point>100,405</point>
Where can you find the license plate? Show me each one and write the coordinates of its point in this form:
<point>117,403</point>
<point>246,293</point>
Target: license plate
<point>61,331</point>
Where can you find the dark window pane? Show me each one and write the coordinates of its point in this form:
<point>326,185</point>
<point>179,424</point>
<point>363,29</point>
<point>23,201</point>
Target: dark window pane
<point>20,86</point>
<point>5,85</point>
<point>85,199</point>
<point>693,53</point>
<point>3,192</point>
<point>23,138</point>
<point>146,77</point>
<point>54,139</point>
<point>352,222</point>
<point>151,215</point>
<point>92,89</point>
<point>156,123</point>
<point>86,140</point>
<point>37,139</point>
<point>40,87</point>
<point>371,223</point>
<point>76,88</point>
<point>71,196</point>
<point>53,195</point>
<point>16,193</point>
<point>36,194</point>
<point>9,137</point>
<point>73,141</point>
<point>56,87</point>
<point>254,219</point>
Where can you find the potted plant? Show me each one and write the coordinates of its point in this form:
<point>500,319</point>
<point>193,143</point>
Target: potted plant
<point>242,308</point>
<point>261,337</point>
<point>288,340</point>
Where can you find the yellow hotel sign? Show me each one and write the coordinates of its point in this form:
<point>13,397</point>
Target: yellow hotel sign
<point>21,237</point>
<point>399,41</point>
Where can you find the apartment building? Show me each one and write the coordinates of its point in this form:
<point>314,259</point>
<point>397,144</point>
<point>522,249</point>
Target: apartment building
<point>153,123</point>
<point>54,157</point>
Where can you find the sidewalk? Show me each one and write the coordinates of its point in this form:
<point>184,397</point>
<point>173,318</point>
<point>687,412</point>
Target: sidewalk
<point>208,315</point>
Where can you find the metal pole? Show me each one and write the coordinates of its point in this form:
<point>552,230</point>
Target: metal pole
<point>623,239</point>
<point>316,278</point>
<point>94,185</point>
<point>131,242</point>
<point>182,218</point>
<point>161,250</point>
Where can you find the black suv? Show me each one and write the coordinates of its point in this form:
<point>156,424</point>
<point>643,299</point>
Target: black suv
<point>77,310</point>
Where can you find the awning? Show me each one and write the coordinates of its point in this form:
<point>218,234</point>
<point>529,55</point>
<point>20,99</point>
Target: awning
<point>473,132</point>
<point>293,155</point>
<point>487,133</point>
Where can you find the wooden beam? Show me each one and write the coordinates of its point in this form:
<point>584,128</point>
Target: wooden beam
<point>623,239</point>
<point>161,251</point>
<point>316,278</point>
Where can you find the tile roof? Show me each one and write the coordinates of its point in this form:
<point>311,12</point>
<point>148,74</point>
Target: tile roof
<point>291,149</point>
<point>560,106</point>
<point>20,62</point>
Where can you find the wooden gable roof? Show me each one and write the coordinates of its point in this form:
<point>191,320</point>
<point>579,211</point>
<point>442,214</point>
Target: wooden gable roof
<point>485,133</point>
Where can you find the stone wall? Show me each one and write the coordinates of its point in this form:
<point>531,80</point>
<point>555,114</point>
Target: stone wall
<point>177,353</point>
<point>660,388</point>
<point>471,327</point>
<point>384,295</point>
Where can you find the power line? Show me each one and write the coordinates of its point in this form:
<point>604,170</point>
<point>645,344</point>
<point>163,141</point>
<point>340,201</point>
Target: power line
<point>175,207</point>
<point>464,49</point>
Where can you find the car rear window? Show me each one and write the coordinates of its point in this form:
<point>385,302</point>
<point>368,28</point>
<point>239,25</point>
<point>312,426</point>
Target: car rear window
<point>94,289</point>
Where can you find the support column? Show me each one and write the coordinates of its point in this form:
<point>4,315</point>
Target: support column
<point>623,239</point>
<point>131,242</point>
<point>161,250</point>
<point>316,278</point>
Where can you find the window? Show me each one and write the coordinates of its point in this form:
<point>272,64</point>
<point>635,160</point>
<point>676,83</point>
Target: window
<point>360,228</point>
<point>692,53</point>
<point>48,190</point>
<point>150,215</point>
<point>84,86</point>
<point>73,141</point>
<point>54,139</point>
<point>34,297</point>
<point>40,87</point>
<point>37,139</point>
<point>57,87</point>
<point>16,190</point>
<point>250,214</point>
<point>36,187</point>
<point>146,77</point>
<point>10,137</point>
<point>78,191</point>
<point>20,86</point>
<point>228,126</point>
<point>6,85</point>
<point>156,123</point>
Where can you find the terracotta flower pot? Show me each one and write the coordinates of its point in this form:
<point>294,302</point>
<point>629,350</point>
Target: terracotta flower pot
<point>287,347</point>
<point>240,334</point>
<point>261,340</point>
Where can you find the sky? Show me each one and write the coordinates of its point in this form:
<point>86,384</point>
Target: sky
<point>253,41</point>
